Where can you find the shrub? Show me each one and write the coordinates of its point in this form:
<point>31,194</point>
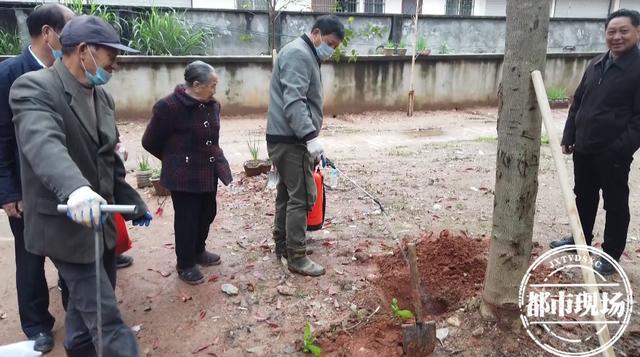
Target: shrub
<point>9,43</point>
<point>556,93</point>
<point>167,33</point>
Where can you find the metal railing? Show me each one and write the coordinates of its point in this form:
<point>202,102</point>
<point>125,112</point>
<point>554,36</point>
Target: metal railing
<point>251,4</point>
<point>374,6</point>
<point>335,5</point>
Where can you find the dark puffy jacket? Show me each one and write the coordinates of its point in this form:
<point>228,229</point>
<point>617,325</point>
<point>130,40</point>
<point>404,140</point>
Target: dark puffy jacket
<point>605,114</point>
<point>184,134</point>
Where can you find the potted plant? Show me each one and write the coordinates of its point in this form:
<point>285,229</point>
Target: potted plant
<point>444,48</point>
<point>265,166</point>
<point>389,49</point>
<point>401,50</point>
<point>155,181</point>
<point>252,167</point>
<point>421,47</point>
<point>143,174</point>
<point>557,98</point>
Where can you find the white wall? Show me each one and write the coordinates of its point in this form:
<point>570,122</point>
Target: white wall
<point>434,7</point>
<point>630,4</point>
<point>393,6</point>
<point>479,7</point>
<point>214,4</point>
<point>582,8</point>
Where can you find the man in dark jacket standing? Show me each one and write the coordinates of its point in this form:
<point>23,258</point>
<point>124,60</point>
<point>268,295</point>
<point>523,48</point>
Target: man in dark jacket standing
<point>603,132</point>
<point>294,121</point>
<point>45,25</point>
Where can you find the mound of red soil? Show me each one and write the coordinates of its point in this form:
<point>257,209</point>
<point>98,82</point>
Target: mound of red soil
<point>452,270</point>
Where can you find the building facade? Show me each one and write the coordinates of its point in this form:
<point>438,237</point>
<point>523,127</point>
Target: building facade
<point>559,8</point>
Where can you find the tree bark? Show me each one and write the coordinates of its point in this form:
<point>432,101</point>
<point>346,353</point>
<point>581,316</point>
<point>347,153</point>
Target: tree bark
<point>519,125</point>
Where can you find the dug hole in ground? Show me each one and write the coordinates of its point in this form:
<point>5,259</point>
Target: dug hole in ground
<point>434,174</point>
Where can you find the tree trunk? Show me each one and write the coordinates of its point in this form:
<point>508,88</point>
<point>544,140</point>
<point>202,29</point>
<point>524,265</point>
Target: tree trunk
<point>519,125</point>
<point>272,30</point>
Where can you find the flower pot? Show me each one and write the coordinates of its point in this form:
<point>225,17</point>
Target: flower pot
<point>401,51</point>
<point>158,188</point>
<point>265,166</point>
<point>252,168</point>
<point>559,103</point>
<point>143,178</point>
<point>388,51</point>
<point>424,52</point>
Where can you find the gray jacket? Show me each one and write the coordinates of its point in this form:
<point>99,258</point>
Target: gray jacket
<point>295,97</point>
<point>60,152</point>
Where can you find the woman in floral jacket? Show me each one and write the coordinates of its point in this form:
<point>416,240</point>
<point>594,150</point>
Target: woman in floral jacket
<point>184,134</point>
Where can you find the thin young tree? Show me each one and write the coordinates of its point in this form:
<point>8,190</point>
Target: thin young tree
<point>275,9</point>
<point>519,125</point>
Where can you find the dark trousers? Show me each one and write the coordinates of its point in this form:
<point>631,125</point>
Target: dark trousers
<point>33,291</point>
<point>110,268</point>
<point>194,213</point>
<point>80,319</point>
<point>296,194</point>
<point>609,173</point>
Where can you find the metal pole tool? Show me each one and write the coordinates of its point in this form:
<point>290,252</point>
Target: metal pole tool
<point>126,209</point>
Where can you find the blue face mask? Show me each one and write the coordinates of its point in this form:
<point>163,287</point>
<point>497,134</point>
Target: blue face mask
<point>100,78</point>
<point>324,51</point>
<point>57,54</point>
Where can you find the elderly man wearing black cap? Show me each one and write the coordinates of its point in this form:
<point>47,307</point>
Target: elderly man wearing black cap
<point>45,25</point>
<point>66,133</point>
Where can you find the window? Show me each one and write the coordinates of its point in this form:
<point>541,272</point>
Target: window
<point>251,4</point>
<point>460,7</point>
<point>346,6</point>
<point>374,6</point>
<point>334,5</point>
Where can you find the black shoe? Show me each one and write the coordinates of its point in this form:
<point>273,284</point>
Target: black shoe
<point>207,259</point>
<point>43,342</point>
<point>191,276</point>
<point>603,267</point>
<point>568,240</point>
<point>84,350</point>
<point>123,261</point>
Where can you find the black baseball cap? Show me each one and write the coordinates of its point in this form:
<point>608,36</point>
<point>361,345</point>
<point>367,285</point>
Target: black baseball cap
<point>92,30</point>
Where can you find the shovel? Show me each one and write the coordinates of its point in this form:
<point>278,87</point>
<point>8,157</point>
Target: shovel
<point>420,339</point>
<point>273,178</point>
<point>126,209</point>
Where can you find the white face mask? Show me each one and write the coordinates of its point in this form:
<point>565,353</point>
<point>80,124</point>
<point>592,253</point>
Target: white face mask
<point>324,51</point>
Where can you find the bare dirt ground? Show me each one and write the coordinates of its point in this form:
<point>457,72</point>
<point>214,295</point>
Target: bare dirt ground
<point>433,173</point>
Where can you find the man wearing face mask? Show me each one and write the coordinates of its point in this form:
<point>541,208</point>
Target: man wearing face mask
<point>294,121</point>
<point>66,134</point>
<point>44,25</point>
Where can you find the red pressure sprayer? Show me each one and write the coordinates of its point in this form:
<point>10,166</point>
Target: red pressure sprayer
<point>315,219</point>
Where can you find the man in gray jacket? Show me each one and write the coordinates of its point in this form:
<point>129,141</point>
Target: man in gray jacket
<point>294,121</point>
<point>66,133</point>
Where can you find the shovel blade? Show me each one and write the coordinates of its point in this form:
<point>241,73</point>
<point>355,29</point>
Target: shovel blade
<point>419,340</point>
<point>272,179</point>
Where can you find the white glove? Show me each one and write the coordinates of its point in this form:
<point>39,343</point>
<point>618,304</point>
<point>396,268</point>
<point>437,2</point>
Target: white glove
<point>315,148</point>
<point>84,206</point>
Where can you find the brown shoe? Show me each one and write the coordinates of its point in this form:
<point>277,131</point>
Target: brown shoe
<point>304,266</point>
<point>207,259</point>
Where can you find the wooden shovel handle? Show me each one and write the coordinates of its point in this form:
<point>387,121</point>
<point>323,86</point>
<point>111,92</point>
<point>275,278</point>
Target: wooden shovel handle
<point>415,281</point>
